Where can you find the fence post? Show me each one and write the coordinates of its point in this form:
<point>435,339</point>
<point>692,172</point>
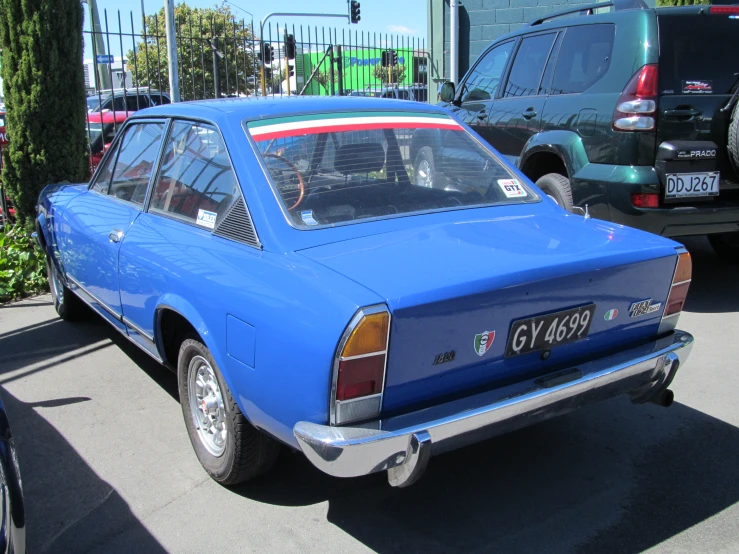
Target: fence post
<point>174,77</point>
<point>331,70</point>
<point>216,68</point>
<point>339,69</point>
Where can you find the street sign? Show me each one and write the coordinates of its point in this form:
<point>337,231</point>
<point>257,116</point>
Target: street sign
<point>104,58</point>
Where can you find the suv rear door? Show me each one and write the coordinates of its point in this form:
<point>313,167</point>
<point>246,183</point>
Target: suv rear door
<point>698,72</point>
<point>516,115</point>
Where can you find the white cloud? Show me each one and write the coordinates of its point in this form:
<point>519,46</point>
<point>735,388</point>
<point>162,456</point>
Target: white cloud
<point>401,29</point>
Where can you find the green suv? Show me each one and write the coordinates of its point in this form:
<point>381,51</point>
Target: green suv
<point>631,112</point>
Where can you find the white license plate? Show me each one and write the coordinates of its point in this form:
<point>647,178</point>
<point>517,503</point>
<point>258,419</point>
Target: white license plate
<point>680,185</point>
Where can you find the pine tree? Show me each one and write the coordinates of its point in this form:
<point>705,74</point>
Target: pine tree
<point>44,87</point>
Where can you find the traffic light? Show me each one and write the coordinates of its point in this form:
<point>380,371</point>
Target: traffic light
<point>290,47</point>
<point>385,58</point>
<point>354,11</point>
<point>290,70</point>
<point>393,57</point>
<point>266,53</point>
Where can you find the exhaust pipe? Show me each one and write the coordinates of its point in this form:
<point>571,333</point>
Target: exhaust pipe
<point>664,398</point>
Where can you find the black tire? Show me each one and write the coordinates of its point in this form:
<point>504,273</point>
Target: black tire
<point>424,169</point>
<point>66,303</point>
<point>733,142</point>
<point>558,187</point>
<point>726,245</point>
<point>247,452</point>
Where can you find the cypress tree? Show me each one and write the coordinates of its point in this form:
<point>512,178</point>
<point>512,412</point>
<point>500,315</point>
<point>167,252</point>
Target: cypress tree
<point>44,88</point>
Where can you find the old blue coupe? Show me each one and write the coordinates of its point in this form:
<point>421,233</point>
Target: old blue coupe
<point>318,280</point>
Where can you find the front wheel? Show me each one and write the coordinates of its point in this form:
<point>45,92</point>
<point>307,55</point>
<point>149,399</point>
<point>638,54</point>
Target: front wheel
<point>726,245</point>
<point>228,447</point>
<point>66,303</point>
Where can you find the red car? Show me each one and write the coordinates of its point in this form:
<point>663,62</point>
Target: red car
<point>102,127</point>
<point>3,144</point>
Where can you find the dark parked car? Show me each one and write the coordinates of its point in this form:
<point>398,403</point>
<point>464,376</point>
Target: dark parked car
<point>129,100</point>
<point>12,508</point>
<point>631,112</point>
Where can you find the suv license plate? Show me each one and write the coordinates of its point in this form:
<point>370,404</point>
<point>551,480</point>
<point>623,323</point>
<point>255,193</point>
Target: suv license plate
<point>547,331</point>
<point>681,185</point>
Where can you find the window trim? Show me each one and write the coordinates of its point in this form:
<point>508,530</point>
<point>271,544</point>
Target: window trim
<point>502,89</point>
<point>515,41</point>
<point>181,219</point>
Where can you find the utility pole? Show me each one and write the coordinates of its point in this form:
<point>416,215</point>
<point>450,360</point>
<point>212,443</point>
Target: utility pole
<point>174,76</point>
<point>102,80</point>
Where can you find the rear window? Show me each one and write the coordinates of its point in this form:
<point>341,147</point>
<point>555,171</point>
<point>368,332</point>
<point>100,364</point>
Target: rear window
<point>698,53</point>
<point>332,169</point>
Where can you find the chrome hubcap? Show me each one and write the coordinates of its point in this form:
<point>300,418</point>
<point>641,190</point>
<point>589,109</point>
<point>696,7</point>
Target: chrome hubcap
<point>424,174</point>
<point>56,283</point>
<point>206,405</point>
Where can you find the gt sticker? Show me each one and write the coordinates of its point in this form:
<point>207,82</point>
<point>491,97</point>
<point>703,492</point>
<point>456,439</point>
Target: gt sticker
<point>206,219</point>
<point>644,307</point>
<point>512,188</point>
<point>611,315</point>
<point>483,342</point>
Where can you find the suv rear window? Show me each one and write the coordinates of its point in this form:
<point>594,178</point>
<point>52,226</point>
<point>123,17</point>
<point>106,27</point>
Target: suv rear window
<point>583,59</point>
<point>329,169</point>
<point>699,48</point>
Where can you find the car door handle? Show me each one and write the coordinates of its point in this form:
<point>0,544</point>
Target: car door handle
<point>116,235</point>
<point>482,115</point>
<point>687,112</point>
<point>530,113</point>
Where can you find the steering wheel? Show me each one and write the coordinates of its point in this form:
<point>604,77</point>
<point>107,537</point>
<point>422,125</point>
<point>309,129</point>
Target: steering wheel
<point>301,183</point>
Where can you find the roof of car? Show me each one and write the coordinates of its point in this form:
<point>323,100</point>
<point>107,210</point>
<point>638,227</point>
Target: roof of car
<point>264,108</point>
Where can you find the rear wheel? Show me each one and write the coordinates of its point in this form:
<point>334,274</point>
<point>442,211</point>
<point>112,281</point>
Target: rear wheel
<point>425,169</point>
<point>733,145</point>
<point>66,303</point>
<point>230,448</point>
<point>557,187</point>
<point>726,245</point>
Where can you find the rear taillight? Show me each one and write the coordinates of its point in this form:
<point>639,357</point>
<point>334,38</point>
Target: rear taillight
<point>359,367</point>
<point>650,200</point>
<point>678,290</point>
<point>637,106</point>
<point>724,10</point>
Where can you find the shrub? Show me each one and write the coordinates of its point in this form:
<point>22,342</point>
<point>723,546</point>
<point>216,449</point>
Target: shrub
<point>22,264</point>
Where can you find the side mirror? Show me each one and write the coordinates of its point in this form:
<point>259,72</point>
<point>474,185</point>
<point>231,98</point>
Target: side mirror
<point>447,92</point>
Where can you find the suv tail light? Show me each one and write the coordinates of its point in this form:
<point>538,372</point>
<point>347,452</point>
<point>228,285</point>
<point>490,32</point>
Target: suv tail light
<point>724,10</point>
<point>359,366</point>
<point>637,106</point>
<point>678,291</point>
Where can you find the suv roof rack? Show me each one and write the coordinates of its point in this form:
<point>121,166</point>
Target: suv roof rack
<point>588,9</point>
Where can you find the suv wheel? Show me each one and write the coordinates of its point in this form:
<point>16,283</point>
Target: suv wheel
<point>726,245</point>
<point>733,145</point>
<point>425,169</point>
<point>557,187</point>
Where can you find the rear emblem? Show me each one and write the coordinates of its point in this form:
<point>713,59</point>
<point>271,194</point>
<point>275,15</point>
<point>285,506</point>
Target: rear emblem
<point>611,315</point>
<point>483,342</point>
<point>644,307</point>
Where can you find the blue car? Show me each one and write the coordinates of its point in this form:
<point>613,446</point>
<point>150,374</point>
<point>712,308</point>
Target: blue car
<point>310,289</point>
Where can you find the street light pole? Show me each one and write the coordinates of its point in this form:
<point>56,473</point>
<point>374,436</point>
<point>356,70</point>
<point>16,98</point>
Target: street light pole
<point>102,76</point>
<point>172,66</point>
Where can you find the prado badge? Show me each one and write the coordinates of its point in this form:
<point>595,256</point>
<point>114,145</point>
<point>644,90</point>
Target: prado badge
<point>483,342</point>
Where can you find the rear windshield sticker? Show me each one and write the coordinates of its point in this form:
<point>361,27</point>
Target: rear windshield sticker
<point>512,188</point>
<point>206,219</point>
<point>307,217</point>
<point>697,87</point>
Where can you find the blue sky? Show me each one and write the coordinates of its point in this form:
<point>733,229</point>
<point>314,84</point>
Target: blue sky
<point>406,17</point>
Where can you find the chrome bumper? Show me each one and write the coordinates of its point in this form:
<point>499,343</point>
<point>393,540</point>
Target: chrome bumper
<point>403,444</point>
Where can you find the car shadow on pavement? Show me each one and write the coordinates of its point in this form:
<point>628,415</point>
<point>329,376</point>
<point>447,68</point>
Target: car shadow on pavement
<point>69,508</point>
<point>711,290</point>
<point>609,478</point>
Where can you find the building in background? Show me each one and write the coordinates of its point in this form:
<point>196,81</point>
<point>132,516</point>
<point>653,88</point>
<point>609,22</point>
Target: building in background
<point>120,75</point>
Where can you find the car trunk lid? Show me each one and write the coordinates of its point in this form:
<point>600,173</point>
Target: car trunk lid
<point>455,289</point>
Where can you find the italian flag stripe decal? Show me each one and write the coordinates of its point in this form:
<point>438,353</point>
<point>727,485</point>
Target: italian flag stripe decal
<point>269,129</point>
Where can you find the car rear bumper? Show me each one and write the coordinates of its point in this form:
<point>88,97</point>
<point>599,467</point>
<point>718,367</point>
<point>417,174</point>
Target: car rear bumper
<point>402,445</point>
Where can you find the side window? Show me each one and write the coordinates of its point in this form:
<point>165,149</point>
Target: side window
<point>138,154</point>
<point>102,182</point>
<point>584,58</point>
<point>196,182</point>
<point>528,66</point>
<point>119,104</point>
<point>483,81</point>
<point>136,102</point>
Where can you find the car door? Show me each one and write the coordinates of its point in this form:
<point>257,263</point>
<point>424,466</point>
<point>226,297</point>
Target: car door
<point>480,87</point>
<point>94,224</point>
<point>516,114</point>
<point>175,244</point>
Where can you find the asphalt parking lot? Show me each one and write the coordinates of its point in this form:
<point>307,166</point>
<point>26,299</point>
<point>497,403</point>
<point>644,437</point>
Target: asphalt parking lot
<point>107,465</point>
